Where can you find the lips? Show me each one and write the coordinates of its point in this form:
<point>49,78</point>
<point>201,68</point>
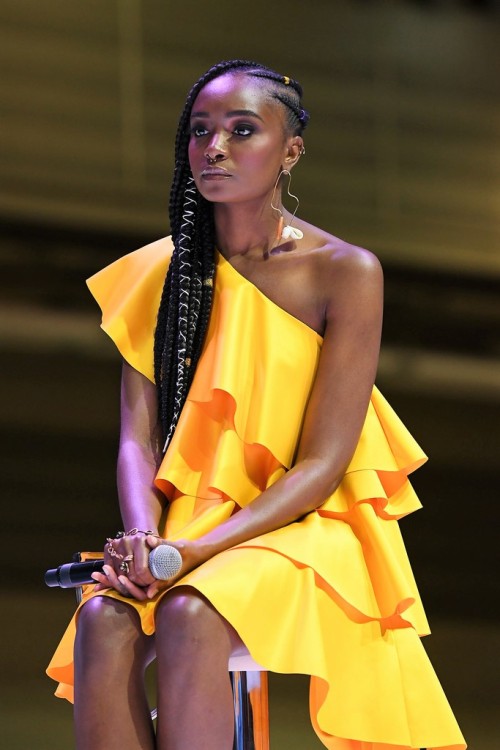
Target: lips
<point>214,173</point>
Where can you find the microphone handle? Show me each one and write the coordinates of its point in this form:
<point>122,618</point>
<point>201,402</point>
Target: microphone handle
<point>72,575</point>
<point>164,562</point>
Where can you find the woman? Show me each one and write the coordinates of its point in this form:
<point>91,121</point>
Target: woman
<point>255,442</point>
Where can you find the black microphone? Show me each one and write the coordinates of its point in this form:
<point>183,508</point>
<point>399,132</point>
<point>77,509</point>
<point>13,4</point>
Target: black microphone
<point>164,562</point>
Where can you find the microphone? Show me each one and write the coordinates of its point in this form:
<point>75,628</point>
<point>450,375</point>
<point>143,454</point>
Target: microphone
<point>164,562</point>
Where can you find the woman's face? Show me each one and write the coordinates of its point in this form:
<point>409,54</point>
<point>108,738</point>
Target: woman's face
<point>235,122</point>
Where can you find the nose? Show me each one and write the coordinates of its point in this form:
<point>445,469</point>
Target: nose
<point>215,158</point>
<point>216,149</point>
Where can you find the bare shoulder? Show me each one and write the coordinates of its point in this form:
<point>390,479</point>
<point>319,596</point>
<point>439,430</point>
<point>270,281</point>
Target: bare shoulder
<point>343,271</point>
<point>336,256</point>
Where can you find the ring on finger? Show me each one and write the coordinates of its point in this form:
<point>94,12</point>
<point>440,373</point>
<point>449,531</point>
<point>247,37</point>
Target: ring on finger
<point>124,565</point>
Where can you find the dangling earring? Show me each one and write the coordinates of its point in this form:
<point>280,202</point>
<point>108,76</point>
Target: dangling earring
<point>286,232</point>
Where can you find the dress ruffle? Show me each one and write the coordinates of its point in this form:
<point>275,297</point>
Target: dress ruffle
<point>331,595</point>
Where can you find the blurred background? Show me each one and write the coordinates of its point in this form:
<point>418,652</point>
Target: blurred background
<point>402,157</point>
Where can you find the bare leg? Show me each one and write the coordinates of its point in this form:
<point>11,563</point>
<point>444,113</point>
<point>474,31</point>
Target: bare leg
<point>111,654</point>
<point>193,644</point>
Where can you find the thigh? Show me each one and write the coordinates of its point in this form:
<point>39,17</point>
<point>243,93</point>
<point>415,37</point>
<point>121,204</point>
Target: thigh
<point>184,615</point>
<point>109,630</point>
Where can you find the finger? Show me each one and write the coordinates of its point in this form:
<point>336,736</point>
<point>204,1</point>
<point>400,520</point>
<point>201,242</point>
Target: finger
<point>122,584</point>
<point>141,578</point>
<point>102,587</point>
<point>137,568</point>
<point>99,577</point>
<point>159,586</point>
<point>101,582</point>
<point>130,589</point>
<point>112,578</point>
<point>152,590</point>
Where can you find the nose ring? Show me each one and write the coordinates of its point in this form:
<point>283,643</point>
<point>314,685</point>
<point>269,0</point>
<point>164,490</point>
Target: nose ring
<point>211,159</point>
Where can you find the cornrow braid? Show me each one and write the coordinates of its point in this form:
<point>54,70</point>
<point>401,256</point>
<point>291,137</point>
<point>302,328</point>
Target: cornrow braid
<point>288,92</point>
<point>186,299</point>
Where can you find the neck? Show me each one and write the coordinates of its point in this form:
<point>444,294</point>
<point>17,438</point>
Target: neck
<point>245,228</point>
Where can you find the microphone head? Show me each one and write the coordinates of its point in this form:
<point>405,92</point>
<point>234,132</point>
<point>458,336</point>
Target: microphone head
<point>165,562</point>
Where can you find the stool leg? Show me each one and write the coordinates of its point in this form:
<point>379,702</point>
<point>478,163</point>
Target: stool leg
<point>251,710</point>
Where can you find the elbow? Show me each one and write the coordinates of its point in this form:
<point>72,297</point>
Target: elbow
<point>323,480</point>
<point>132,451</point>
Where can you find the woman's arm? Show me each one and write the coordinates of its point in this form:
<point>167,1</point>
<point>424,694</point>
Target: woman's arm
<point>139,455</point>
<point>352,290</point>
<point>141,503</point>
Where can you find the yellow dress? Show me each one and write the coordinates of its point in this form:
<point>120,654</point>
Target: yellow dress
<point>331,595</point>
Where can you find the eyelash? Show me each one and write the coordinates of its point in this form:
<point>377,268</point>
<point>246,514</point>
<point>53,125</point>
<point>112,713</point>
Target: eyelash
<point>195,131</point>
<point>248,128</point>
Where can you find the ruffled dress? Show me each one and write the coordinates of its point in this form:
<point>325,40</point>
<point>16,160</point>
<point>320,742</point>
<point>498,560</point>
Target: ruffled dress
<point>331,595</point>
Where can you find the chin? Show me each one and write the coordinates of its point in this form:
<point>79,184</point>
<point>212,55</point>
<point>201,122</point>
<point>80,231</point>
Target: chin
<point>215,192</point>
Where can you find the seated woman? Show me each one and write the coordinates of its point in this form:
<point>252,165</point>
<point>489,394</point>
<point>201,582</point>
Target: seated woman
<point>254,441</point>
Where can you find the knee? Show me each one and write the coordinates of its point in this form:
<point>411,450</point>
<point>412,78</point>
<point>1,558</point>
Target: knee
<point>105,624</point>
<point>98,615</point>
<point>185,620</point>
<point>183,609</point>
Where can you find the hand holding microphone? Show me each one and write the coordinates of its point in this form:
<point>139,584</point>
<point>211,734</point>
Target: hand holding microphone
<point>164,562</point>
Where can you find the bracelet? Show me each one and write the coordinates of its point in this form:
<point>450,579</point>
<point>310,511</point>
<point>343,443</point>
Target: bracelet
<point>133,532</point>
<point>149,532</point>
<point>111,550</point>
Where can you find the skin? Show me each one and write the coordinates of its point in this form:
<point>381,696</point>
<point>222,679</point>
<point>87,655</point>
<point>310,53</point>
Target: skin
<point>333,287</point>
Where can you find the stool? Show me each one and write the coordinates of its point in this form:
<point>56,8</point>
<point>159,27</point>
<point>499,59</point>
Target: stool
<point>250,696</point>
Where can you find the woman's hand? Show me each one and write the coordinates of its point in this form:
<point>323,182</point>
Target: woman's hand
<point>133,551</point>
<point>126,566</point>
<point>191,558</point>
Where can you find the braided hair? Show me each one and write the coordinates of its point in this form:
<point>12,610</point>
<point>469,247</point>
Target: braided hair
<point>187,294</point>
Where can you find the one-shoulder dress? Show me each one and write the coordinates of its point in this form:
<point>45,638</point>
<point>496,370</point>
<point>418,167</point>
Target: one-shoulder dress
<point>331,595</point>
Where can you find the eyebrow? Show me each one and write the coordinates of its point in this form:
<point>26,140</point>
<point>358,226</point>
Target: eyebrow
<point>233,113</point>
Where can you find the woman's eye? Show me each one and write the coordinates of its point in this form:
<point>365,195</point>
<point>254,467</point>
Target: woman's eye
<point>198,131</point>
<point>243,130</point>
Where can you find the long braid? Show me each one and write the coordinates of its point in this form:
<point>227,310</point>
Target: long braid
<point>187,294</point>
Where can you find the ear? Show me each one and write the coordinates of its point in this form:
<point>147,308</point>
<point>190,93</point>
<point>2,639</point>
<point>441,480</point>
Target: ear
<point>294,150</point>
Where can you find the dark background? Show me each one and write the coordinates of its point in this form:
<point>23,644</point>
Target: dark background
<point>402,157</point>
